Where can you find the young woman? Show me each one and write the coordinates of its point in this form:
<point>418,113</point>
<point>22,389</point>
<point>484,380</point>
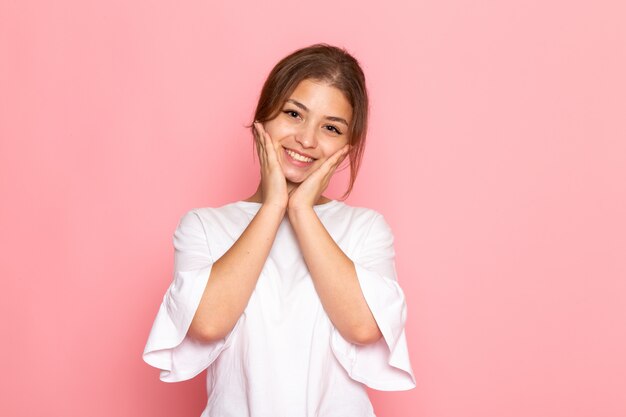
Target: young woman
<point>289,298</point>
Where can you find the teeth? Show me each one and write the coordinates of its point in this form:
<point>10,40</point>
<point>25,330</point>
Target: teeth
<point>299,157</point>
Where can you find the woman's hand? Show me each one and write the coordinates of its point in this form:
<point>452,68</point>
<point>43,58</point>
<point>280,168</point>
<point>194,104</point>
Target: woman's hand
<point>308,192</point>
<point>273,182</point>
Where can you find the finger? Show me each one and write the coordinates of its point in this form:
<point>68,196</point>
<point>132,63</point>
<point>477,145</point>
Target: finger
<point>330,165</point>
<point>343,156</point>
<point>256,134</point>
<point>270,147</point>
<point>273,147</point>
<point>267,140</point>
<point>260,152</point>
<point>257,138</point>
<point>343,152</point>
<point>337,157</point>
<point>261,146</point>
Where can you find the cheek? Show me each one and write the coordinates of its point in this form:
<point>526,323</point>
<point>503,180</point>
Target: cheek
<point>331,148</point>
<point>278,129</point>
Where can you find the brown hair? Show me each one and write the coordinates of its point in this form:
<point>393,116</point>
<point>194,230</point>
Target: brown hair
<point>332,65</point>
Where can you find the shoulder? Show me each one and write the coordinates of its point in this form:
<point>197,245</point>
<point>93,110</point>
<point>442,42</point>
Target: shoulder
<point>356,226</point>
<point>207,218</point>
<point>362,217</point>
<point>368,232</point>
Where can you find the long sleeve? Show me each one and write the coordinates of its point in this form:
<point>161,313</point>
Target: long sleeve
<point>383,365</point>
<point>168,348</point>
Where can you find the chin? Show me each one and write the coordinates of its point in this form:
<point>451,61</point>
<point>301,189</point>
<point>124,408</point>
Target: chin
<point>295,177</point>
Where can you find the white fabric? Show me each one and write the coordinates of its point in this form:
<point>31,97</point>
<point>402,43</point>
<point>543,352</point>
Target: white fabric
<point>283,357</point>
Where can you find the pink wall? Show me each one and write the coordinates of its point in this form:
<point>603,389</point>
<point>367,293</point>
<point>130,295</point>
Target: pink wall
<point>497,152</point>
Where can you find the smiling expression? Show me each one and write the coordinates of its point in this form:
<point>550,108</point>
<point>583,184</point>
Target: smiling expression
<point>311,126</point>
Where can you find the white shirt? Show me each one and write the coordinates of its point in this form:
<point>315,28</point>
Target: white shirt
<point>283,357</point>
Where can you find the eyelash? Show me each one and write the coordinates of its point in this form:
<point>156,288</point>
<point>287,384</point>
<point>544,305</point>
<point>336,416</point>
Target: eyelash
<point>288,112</point>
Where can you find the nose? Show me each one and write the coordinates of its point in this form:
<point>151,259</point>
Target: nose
<point>305,136</point>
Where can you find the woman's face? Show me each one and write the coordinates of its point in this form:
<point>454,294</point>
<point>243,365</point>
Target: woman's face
<point>311,127</point>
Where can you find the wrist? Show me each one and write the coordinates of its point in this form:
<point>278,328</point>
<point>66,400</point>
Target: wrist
<point>297,213</point>
<point>274,207</point>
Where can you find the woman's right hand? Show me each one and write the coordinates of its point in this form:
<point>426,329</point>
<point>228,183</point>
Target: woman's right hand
<point>273,182</point>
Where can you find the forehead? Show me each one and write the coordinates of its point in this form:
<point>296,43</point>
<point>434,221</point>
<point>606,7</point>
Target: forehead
<point>320,97</point>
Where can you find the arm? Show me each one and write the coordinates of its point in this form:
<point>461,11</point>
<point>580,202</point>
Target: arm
<point>335,279</point>
<point>383,365</point>
<point>234,276</point>
<point>344,286</point>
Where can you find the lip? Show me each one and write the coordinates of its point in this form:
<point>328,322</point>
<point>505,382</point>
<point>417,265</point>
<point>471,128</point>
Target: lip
<point>302,153</point>
<point>296,162</point>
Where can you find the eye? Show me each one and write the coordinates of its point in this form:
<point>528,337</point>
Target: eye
<point>331,128</point>
<point>291,113</point>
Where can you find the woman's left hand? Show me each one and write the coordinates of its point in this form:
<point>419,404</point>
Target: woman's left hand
<point>308,192</point>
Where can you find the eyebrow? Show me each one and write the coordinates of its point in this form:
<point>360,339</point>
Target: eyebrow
<point>303,107</point>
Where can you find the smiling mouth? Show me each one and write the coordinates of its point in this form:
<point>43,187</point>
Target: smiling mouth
<point>296,156</point>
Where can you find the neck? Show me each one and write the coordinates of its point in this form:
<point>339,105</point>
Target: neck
<point>257,197</point>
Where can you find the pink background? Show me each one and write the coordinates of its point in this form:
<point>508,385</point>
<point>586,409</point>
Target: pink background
<point>497,152</point>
